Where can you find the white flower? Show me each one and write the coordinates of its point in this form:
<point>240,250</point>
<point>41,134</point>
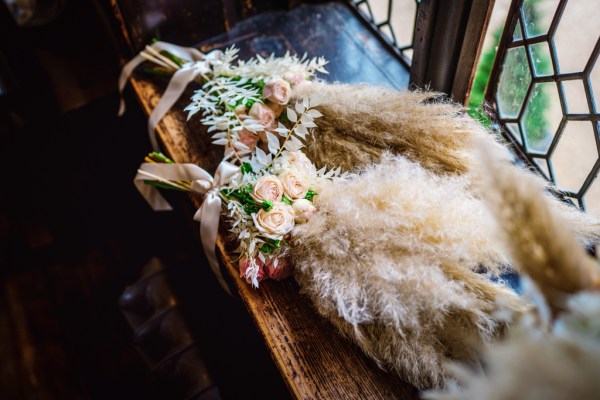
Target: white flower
<point>294,186</point>
<point>269,188</point>
<point>275,223</point>
<point>303,210</point>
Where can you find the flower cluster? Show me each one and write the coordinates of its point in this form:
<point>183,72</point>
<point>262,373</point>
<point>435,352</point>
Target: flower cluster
<point>247,107</point>
<point>243,103</point>
<point>264,208</point>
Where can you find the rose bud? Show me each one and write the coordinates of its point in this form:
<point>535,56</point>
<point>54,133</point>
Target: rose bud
<point>303,210</point>
<point>250,139</point>
<point>267,188</point>
<point>279,272</point>
<point>248,271</point>
<point>277,91</point>
<point>294,186</point>
<point>276,223</point>
<point>263,114</point>
<point>240,110</point>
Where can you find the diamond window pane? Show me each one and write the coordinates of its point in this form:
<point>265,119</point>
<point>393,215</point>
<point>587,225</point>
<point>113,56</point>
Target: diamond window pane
<point>575,97</point>
<point>542,117</point>
<point>538,16</point>
<point>542,61</point>
<point>574,155</point>
<point>576,35</point>
<point>513,84</point>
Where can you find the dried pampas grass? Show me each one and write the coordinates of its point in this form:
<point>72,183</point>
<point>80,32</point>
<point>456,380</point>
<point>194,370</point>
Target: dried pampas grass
<point>552,354</point>
<point>394,255</point>
<point>362,121</point>
<point>390,260</point>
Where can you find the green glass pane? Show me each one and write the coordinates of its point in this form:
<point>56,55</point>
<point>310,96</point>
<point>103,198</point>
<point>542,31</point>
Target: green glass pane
<point>542,117</point>
<point>513,83</point>
<point>517,34</point>
<point>542,62</point>
<point>538,16</point>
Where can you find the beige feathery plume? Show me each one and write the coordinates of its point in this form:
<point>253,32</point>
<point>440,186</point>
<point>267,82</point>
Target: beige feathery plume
<point>539,238</point>
<point>362,121</point>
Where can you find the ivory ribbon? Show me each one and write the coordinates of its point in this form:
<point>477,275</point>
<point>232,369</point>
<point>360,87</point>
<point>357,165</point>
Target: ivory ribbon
<point>202,183</point>
<point>199,64</point>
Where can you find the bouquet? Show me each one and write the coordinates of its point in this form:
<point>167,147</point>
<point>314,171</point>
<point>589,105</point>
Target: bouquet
<point>374,197</point>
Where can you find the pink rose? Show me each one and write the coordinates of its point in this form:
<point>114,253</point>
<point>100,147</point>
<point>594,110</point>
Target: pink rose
<point>252,271</point>
<point>263,114</point>
<point>267,187</point>
<point>295,78</point>
<point>278,92</point>
<point>279,272</point>
<point>250,139</point>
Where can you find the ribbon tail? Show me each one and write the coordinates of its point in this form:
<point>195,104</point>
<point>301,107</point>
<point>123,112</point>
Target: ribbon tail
<point>208,215</point>
<point>176,86</point>
<point>125,74</point>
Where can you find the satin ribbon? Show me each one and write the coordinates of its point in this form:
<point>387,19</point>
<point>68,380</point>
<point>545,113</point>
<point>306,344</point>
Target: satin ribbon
<point>203,183</point>
<point>199,64</point>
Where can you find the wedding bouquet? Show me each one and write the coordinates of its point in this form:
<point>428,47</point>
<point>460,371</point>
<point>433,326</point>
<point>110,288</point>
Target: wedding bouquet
<point>378,206</point>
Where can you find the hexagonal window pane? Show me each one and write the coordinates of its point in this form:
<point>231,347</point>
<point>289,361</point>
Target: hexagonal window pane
<point>513,129</point>
<point>575,155</point>
<point>542,117</point>
<point>387,32</point>
<point>542,62</point>
<point>595,82</point>
<point>403,20</point>
<point>540,162</point>
<point>538,16</point>
<point>592,198</point>
<point>517,33</point>
<point>513,83</point>
<point>575,97</point>
<point>379,9</point>
<point>366,10</point>
<point>576,35</point>
<point>408,53</point>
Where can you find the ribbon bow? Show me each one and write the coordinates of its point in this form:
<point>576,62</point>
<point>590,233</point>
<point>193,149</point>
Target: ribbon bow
<point>199,64</point>
<point>202,183</point>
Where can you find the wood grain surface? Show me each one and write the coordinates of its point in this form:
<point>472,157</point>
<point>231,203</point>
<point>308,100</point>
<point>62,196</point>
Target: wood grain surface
<point>315,361</point>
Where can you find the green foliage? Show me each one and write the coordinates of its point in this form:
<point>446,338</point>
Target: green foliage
<point>536,126</point>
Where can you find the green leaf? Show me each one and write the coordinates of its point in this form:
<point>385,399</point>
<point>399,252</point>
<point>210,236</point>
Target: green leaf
<point>286,200</point>
<point>267,205</point>
<point>310,194</point>
<point>246,168</point>
<point>266,248</point>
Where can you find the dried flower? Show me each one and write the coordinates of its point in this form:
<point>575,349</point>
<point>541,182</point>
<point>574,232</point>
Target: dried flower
<point>294,186</point>
<point>268,187</point>
<point>275,223</point>
<point>277,91</point>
